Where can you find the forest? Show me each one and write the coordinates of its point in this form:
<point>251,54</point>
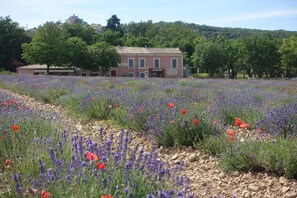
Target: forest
<point>207,49</point>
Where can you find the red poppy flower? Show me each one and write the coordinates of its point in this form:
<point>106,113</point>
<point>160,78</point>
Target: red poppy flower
<point>170,105</point>
<point>183,111</point>
<point>91,156</point>
<point>13,101</point>
<point>45,194</point>
<point>195,121</point>
<point>36,85</point>
<point>243,125</point>
<point>230,132</point>
<point>100,166</point>
<point>106,196</point>
<point>7,162</point>
<point>6,103</point>
<point>230,138</point>
<point>15,127</point>
<point>237,122</point>
<point>259,130</point>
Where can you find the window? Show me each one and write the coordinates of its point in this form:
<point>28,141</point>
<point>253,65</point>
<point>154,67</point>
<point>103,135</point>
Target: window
<point>156,63</point>
<point>142,62</point>
<point>173,63</point>
<point>130,62</point>
<point>141,74</point>
<point>130,74</point>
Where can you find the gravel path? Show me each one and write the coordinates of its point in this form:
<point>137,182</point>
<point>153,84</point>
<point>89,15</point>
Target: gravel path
<point>207,180</point>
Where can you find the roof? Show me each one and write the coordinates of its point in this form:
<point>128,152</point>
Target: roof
<point>38,66</point>
<point>144,50</point>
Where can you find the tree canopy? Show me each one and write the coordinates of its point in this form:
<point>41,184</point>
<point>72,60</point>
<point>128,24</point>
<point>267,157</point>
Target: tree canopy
<point>11,38</point>
<point>47,47</point>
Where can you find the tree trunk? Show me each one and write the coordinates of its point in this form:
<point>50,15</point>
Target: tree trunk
<point>47,69</point>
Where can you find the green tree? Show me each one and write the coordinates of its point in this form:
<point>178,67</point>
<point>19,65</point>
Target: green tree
<point>80,30</point>
<point>113,23</point>
<point>11,38</point>
<point>103,56</point>
<point>262,54</point>
<point>77,53</point>
<point>48,46</point>
<point>288,51</point>
<point>210,56</point>
<point>112,37</point>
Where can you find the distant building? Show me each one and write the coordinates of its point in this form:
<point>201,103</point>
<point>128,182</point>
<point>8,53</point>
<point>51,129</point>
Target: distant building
<point>149,62</point>
<point>135,62</point>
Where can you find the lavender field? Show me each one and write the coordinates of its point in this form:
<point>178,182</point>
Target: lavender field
<point>251,125</point>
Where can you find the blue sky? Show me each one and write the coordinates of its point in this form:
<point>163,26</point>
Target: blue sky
<point>254,14</point>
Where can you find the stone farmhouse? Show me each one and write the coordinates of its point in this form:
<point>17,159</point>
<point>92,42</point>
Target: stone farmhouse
<point>135,62</point>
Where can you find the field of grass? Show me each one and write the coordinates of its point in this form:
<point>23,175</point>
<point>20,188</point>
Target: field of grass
<point>251,125</point>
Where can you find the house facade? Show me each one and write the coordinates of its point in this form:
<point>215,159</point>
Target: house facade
<point>149,62</point>
<point>135,62</point>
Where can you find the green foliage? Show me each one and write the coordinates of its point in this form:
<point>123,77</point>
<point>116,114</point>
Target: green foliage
<point>51,95</point>
<point>111,37</point>
<point>80,30</point>
<point>77,53</point>
<point>103,56</point>
<point>214,145</point>
<point>113,23</point>
<point>278,156</point>
<point>201,75</point>
<point>12,36</point>
<point>262,54</point>
<point>98,108</point>
<point>288,51</point>
<point>48,46</point>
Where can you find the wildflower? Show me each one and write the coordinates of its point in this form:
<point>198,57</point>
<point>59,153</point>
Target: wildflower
<point>116,109</point>
<point>36,85</point>
<point>45,194</point>
<point>237,122</point>
<point>106,196</point>
<point>230,132</point>
<point>195,121</point>
<point>170,105</point>
<point>230,138</point>
<point>7,162</point>
<point>215,122</point>
<point>243,125</point>
<point>6,103</point>
<point>259,130</point>
<point>172,122</point>
<point>183,111</point>
<point>15,128</point>
<point>6,167</point>
<point>100,166</point>
<point>13,101</point>
<point>91,156</point>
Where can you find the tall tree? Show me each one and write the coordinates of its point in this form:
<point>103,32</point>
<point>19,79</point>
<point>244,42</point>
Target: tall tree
<point>262,52</point>
<point>288,51</point>
<point>103,56</point>
<point>112,37</point>
<point>113,23</point>
<point>48,46</point>
<point>210,56</point>
<point>80,30</point>
<point>11,38</point>
<point>77,53</point>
